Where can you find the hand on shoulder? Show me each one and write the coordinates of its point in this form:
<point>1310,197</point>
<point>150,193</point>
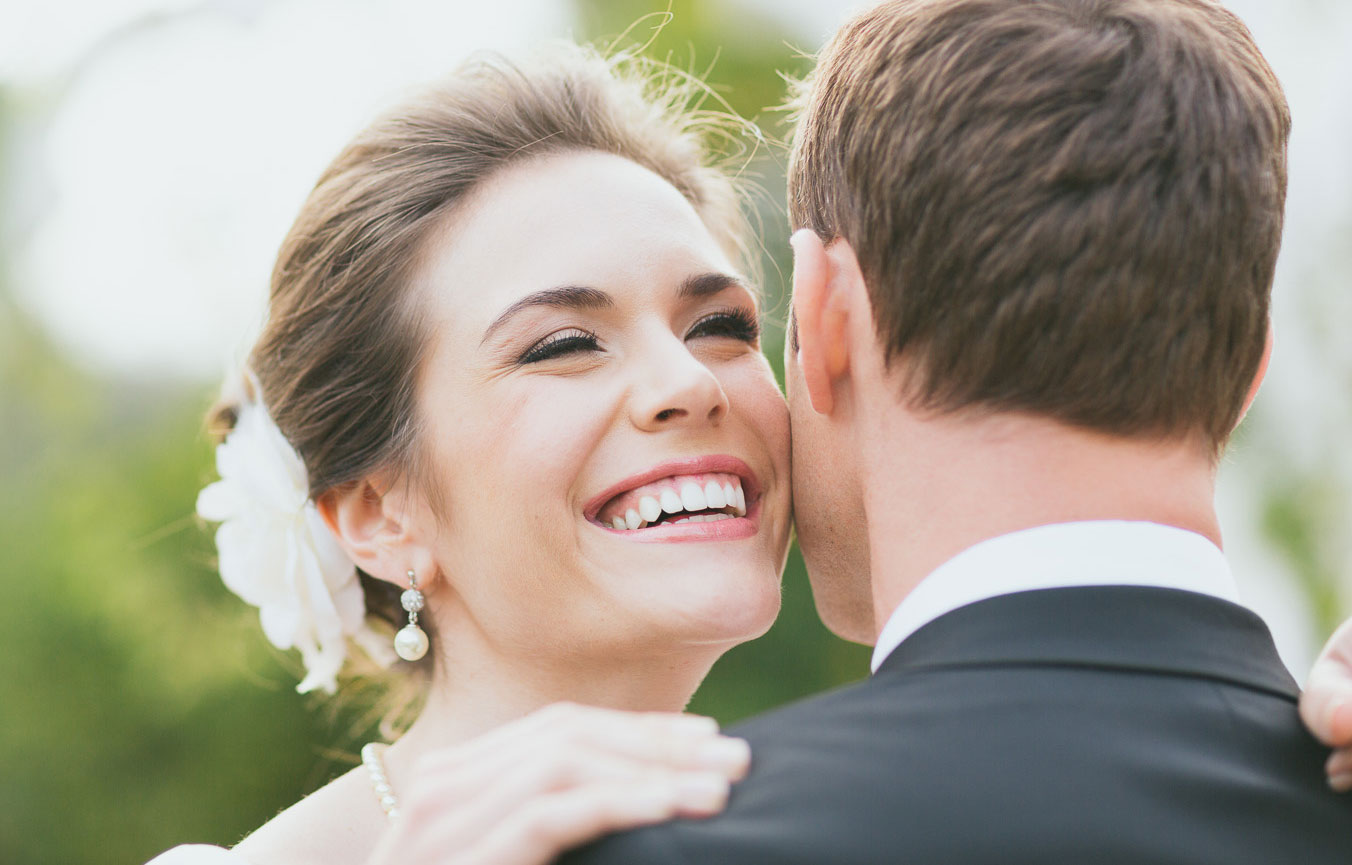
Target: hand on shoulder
<point>1326,705</point>
<point>527,791</point>
<point>520,794</point>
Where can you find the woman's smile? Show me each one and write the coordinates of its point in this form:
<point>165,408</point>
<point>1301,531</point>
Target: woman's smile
<point>696,499</point>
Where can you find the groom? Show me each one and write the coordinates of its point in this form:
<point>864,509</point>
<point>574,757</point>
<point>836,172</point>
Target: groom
<point>1031,304</point>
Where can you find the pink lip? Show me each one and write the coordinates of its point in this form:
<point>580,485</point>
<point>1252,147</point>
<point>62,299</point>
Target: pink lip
<point>689,466</point>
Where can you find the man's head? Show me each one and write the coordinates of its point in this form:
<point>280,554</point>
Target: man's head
<point>1066,209</point>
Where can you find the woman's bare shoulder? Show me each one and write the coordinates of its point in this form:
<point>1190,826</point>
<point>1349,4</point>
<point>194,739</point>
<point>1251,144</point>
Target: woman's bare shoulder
<point>337,824</point>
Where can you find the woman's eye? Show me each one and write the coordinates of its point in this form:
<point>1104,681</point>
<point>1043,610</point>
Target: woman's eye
<point>735,323</point>
<point>559,344</point>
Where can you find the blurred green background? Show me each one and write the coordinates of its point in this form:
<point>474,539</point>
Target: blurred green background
<point>140,706</point>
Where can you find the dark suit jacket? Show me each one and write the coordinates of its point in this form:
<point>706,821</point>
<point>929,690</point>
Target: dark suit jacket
<point>1085,725</point>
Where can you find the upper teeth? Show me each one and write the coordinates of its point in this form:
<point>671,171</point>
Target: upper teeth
<point>683,494</point>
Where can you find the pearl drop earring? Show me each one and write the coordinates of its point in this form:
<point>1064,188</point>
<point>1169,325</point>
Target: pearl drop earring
<point>411,641</point>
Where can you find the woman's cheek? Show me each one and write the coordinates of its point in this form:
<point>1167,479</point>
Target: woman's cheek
<point>763,403</point>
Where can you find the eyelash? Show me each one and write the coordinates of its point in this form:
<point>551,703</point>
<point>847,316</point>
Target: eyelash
<point>733,323</point>
<point>559,344</point>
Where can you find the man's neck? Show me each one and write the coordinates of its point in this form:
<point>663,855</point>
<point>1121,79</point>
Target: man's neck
<point>937,486</point>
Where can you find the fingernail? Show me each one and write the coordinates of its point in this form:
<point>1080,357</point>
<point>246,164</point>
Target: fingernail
<point>1342,720</point>
<point>725,754</point>
<point>697,724</point>
<point>1341,783</point>
<point>702,790</point>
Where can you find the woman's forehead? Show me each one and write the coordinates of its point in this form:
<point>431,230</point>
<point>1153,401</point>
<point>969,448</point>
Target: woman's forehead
<point>573,218</point>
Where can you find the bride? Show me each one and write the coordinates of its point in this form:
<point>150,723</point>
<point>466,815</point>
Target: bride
<point>511,372</point>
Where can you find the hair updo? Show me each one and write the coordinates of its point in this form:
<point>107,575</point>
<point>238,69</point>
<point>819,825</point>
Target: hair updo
<point>339,356</point>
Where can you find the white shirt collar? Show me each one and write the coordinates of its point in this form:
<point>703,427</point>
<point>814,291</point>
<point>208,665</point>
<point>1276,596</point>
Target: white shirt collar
<point>1105,553</point>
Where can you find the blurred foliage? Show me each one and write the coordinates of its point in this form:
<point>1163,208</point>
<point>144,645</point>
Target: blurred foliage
<point>1295,519</point>
<point>734,49</point>
<point>135,681</point>
<point>141,706</point>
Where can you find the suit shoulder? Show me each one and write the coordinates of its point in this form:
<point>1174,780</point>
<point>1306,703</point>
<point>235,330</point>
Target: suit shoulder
<point>808,712</point>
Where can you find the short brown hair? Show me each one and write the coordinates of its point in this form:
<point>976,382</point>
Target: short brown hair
<point>339,357</point>
<point>1070,208</point>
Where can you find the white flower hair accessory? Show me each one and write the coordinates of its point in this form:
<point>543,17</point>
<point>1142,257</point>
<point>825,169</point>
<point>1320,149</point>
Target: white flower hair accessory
<point>277,553</point>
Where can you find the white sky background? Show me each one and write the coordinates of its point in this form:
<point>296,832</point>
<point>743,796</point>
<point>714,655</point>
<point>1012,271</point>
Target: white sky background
<point>151,184</point>
<point>149,197</point>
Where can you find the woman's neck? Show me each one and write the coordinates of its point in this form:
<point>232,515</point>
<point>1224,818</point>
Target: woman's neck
<point>477,687</point>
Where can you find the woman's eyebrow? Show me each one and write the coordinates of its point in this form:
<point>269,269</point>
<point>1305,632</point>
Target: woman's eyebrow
<point>566,296</point>
<point>585,297</point>
<point>705,284</point>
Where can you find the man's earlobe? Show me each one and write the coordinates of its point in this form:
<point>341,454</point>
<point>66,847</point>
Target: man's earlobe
<point>819,321</point>
<point>1261,372</point>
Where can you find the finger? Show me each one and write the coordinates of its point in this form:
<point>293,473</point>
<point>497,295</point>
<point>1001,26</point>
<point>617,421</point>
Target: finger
<point>487,788</point>
<point>1339,770</point>
<point>659,736</point>
<point>559,715</point>
<point>1326,704</point>
<point>551,824</point>
<point>571,721</point>
<point>662,740</point>
<point>654,741</point>
<point>482,794</point>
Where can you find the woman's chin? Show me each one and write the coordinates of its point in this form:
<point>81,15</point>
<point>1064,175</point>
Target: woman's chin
<point>721,614</point>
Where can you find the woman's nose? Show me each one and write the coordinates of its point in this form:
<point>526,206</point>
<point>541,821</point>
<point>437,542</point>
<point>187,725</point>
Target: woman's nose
<point>675,388</point>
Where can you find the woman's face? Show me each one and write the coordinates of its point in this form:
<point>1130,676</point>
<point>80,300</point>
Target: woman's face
<point>609,447</point>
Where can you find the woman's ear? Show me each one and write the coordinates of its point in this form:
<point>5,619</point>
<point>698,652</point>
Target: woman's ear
<point>377,522</point>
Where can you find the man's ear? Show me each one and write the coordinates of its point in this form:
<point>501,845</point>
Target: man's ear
<point>375,522</point>
<point>821,313</point>
<point>1260,374</point>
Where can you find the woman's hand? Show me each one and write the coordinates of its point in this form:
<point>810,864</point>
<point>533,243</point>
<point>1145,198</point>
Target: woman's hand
<point>1326,705</point>
<point>527,791</point>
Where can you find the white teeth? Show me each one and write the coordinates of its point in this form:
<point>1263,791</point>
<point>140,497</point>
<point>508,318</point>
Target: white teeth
<point>692,497</point>
<point>703,518</point>
<point>713,495</point>
<point>649,509</point>
<point>671,503</point>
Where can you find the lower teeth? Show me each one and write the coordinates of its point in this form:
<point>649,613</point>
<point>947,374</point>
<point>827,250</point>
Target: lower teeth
<point>619,524</point>
<point>703,518</point>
